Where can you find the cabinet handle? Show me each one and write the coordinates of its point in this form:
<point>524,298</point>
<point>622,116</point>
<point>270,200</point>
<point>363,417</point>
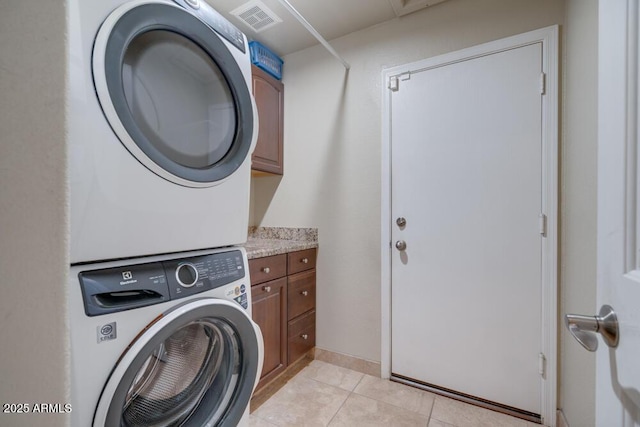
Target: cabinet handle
<point>305,260</point>
<point>304,336</point>
<point>266,288</point>
<point>304,293</point>
<point>266,270</point>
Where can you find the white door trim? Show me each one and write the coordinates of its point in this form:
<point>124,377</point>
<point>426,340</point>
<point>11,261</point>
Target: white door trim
<point>549,38</point>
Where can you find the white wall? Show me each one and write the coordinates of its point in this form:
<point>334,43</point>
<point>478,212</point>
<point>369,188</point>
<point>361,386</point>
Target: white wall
<point>333,162</point>
<point>33,216</point>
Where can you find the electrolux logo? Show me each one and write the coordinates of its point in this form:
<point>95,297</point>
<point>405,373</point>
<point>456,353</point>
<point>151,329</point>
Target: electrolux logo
<point>128,278</point>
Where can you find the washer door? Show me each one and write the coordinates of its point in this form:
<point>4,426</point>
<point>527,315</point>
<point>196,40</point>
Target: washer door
<point>196,365</point>
<point>173,92</point>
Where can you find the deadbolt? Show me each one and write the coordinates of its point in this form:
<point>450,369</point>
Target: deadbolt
<point>401,222</point>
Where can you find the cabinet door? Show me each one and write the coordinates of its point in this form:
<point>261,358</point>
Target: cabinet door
<point>269,95</point>
<point>269,308</point>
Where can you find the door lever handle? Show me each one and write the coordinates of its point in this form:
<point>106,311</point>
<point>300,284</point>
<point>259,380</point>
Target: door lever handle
<point>584,328</point>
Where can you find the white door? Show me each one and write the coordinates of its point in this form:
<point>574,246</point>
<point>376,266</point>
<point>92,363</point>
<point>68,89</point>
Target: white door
<point>467,180</point>
<point>618,370</point>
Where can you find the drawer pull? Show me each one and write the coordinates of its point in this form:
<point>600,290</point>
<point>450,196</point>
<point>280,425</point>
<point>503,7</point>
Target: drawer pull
<point>266,288</point>
<point>266,270</point>
<point>304,293</point>
<point>304,336</point>
<point>305,260</point>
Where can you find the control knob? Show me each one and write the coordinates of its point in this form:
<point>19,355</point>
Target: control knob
<point>187,275</point>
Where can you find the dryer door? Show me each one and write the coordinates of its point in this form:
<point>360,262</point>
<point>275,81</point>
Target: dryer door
<point>174,90</point>
<point>196,365</point>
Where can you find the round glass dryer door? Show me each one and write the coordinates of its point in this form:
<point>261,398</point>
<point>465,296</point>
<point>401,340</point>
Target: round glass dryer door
<point>196,366</point>
<point>173,93</point>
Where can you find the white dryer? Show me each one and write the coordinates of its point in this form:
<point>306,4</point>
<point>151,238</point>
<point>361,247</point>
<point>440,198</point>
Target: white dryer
<point>163,341</point>
<point>161,126</point>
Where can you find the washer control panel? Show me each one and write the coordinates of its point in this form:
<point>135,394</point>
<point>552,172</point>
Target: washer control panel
<point>197,274</point>
<point>132,286</point>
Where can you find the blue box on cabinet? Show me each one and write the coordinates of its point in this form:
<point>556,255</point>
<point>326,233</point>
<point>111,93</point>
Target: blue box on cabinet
<point>262,57</point>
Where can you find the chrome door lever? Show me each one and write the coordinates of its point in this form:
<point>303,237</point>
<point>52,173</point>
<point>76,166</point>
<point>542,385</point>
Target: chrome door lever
<point>583,328</point>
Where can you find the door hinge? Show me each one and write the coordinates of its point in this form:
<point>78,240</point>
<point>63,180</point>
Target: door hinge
<point>542,363</point>
<point>542,224</point>
<point>543,83</point>
<point>394,81</point>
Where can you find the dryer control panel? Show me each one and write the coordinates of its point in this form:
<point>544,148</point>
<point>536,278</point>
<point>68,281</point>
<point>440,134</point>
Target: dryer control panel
<point>133,286</point>
<point>215,20</point>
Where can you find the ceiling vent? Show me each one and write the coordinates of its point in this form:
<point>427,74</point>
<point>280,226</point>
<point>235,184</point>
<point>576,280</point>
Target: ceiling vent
<point>256,15</point>
<point>405,7</point>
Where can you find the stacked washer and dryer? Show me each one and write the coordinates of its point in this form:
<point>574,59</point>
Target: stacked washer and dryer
<point>161,125</point>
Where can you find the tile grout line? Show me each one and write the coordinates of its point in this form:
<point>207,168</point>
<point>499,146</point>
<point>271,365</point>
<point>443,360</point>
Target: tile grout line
<point>341,405</point>
<point>353,391</point>
<point>265,420</point>
<point>400,407</point>
<point>345,400</point>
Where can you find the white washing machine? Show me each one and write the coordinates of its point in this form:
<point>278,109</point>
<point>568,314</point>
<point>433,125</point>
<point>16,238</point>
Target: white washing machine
<point>163,341</point>
<point>161,126</point>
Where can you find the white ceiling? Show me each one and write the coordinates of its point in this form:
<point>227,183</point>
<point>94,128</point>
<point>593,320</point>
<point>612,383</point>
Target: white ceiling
<point>331,18</point>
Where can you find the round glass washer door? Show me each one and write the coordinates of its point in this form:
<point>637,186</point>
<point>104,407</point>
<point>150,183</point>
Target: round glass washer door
<point>173,93</point>
<point>195,366</point>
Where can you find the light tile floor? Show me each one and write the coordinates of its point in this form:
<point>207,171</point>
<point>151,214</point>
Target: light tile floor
<point>326,395</point>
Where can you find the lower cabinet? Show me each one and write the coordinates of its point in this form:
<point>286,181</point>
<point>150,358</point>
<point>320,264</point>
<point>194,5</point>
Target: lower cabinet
<point>283,296</point>
<point>269,308</point>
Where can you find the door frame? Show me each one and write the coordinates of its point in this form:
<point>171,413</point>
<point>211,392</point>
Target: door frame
<point>550,60</point>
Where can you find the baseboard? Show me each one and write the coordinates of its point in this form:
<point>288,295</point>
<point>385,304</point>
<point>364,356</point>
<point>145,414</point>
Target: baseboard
<point>561,420</point>
<point>350,362</point>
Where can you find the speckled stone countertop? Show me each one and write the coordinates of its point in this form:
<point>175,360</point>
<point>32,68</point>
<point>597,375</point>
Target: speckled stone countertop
<point>267,241</point>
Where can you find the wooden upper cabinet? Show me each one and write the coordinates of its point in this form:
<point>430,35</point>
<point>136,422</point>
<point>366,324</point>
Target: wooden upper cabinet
<point>269,95</point>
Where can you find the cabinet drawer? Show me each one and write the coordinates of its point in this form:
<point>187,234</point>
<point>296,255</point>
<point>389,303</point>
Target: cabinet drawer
<point>302,336</point>
<point>301,261</point>
<point>267,268</point>
<point>265,289</point>
<point>302,293</point>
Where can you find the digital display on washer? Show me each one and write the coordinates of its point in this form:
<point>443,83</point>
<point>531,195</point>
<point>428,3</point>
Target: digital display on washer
<point>132,286</point>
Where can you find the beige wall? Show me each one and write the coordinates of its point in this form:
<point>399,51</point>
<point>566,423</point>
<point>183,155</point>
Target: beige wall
<point>578,216</point>
<point>332,164</point>
<point>33,197</point>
